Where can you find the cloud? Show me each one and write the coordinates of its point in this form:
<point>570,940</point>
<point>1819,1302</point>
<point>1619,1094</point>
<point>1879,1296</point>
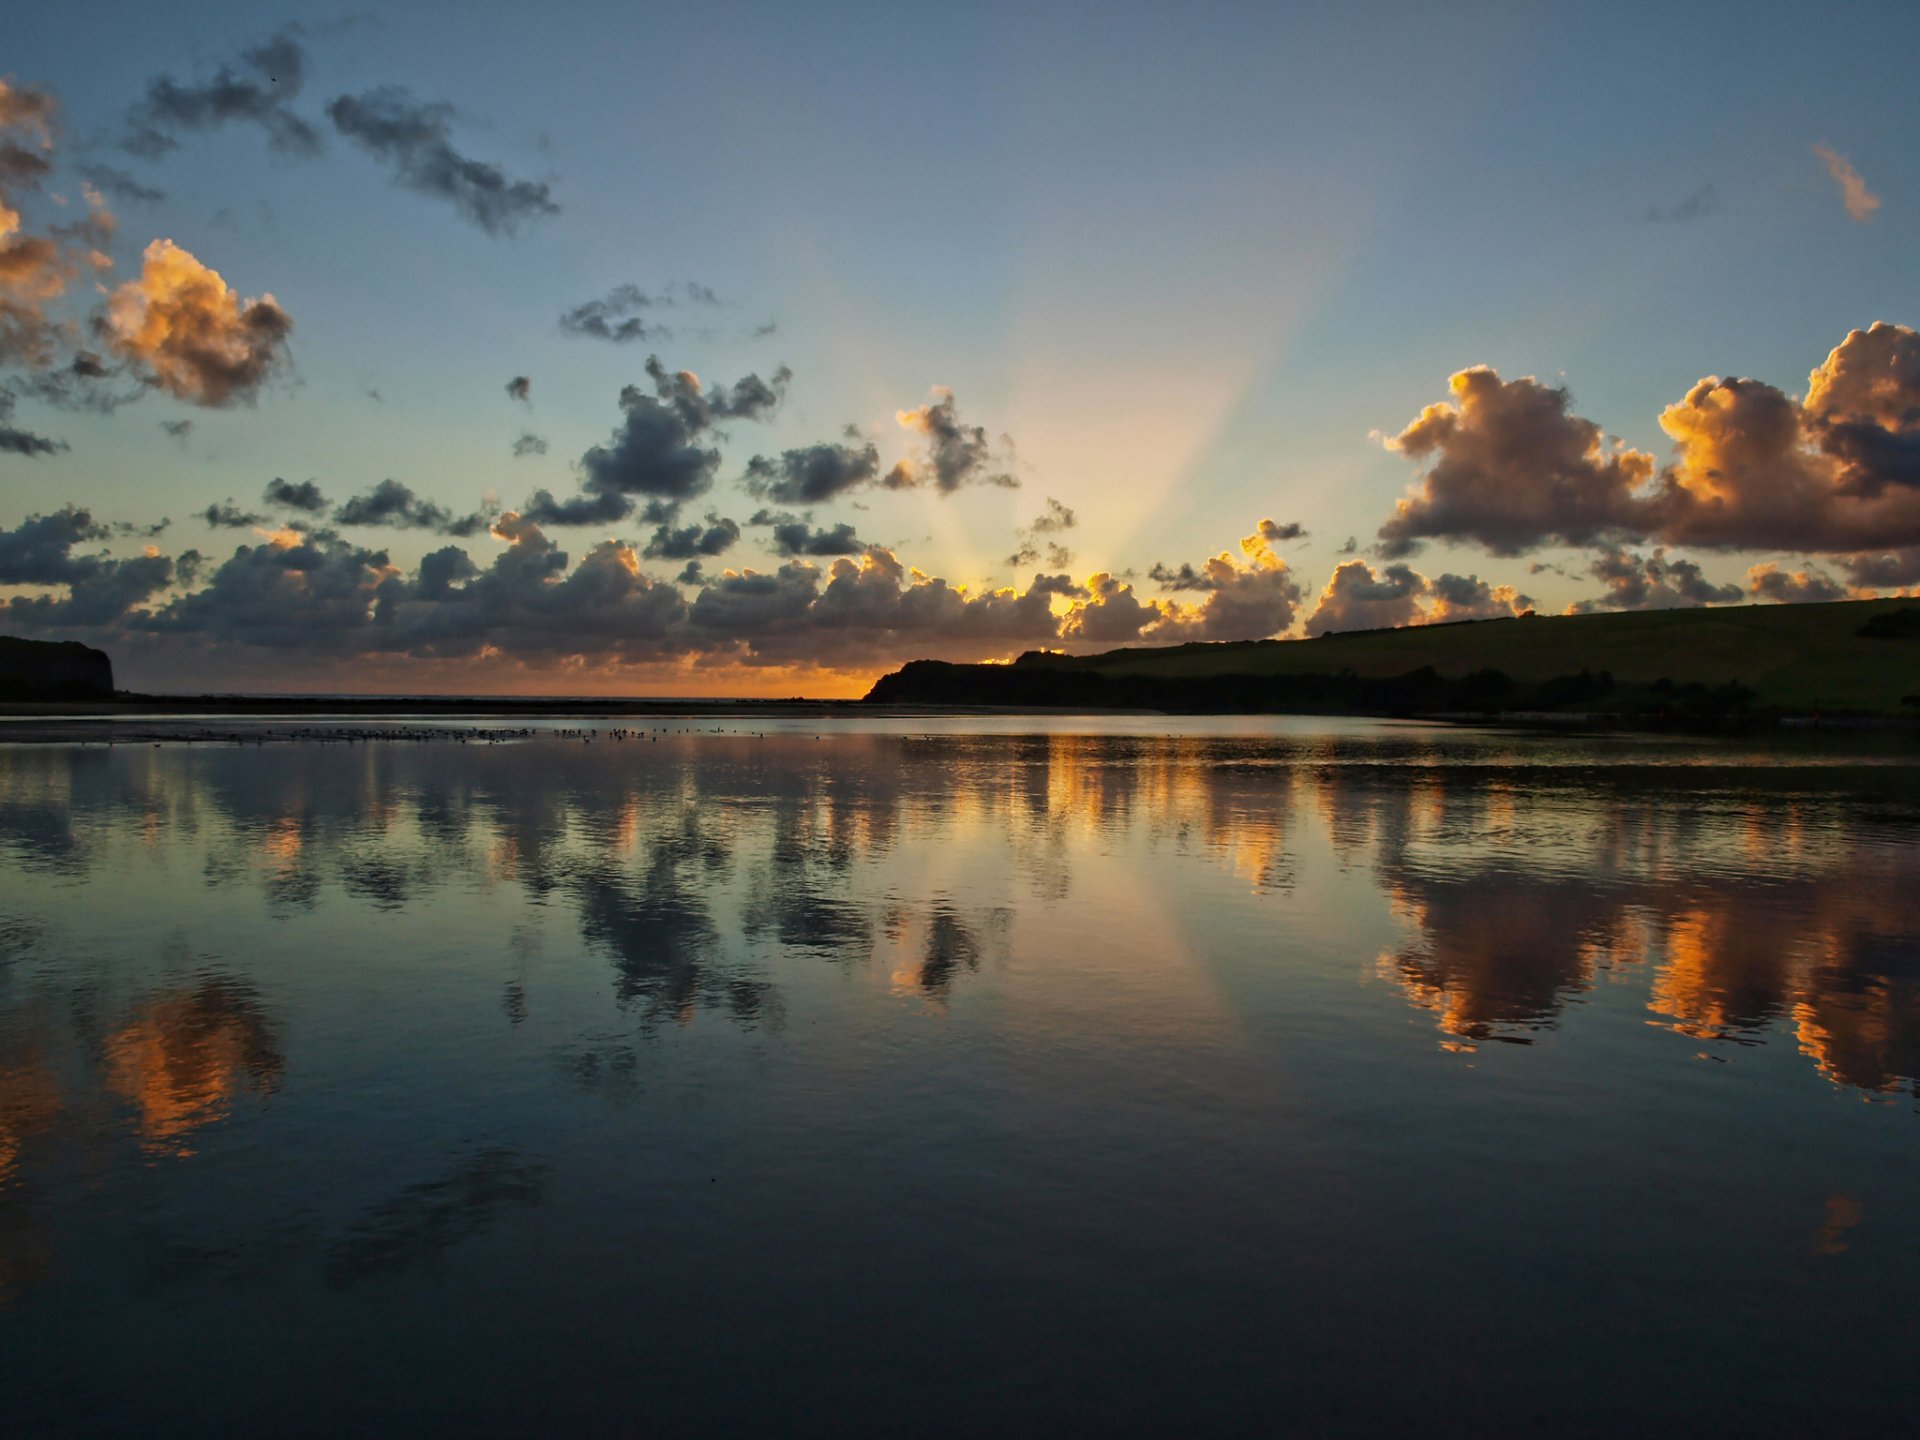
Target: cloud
<point>190,334</point>
<point>529,444</point>
<point>1258,547</point>
<point>1468,597</point>
<point>1697,206</point>
<point>1111,614</point>
<point>36,269</point>
<point>15,441</point>
<point>122,186</point>
<point>602,509</point>
<point>616,317</point>
<point>27,110</point>
<point>302,495</point>
<point>620,315</point>
<point>796,537</point>
<point>1273,533</point>
<point>26,135</point>
<point>1035,542</point>
<point>1358,599</point>
<point>1770,582</point>
<point>100,589</point>
<point>813,473</point>
<point>1513,467</point>
<point>655,453</point>
<point>1651,582</point>
<point>1061,585</point>
<point>716,537</point>
<point>1863,403</point>
<point>869,608</point>
<point>394,505</point>
<point>255,89</point>
<point>700,407</point>
<point>957,454</point>
<point>1757,469</point>
<point>225,515</point>
<point>1753,467</point>
<point>1884,569</point>
<point>1861,202</point>
<point>1250,598</point>
<point>414,138</point>
<point>520,388</point>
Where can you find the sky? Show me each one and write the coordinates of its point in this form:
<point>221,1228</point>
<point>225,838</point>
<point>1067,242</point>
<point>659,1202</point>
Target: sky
<point>757,349</point>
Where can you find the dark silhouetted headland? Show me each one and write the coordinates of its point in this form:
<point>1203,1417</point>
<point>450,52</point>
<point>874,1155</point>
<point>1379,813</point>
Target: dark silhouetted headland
<point>48,670</point>
<point>1858,658</point>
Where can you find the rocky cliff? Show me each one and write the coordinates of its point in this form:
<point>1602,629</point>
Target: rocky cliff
<point>48,670</point>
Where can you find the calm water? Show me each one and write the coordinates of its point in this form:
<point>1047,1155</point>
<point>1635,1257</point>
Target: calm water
<point>1311,1075</point>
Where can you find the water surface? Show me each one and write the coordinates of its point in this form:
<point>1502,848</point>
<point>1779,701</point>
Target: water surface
<point>1133,1074</point>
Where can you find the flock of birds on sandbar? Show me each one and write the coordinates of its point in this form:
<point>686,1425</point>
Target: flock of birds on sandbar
<point>462,735</point>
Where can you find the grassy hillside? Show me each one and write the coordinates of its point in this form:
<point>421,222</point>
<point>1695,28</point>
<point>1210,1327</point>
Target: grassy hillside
<point>1793,658</point>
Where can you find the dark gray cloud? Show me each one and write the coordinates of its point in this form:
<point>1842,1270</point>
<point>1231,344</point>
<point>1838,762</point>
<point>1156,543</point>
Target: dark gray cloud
<point>1651,582</point>
<point>15,441</point>
<point>529,443</point>
<point>225,515</point>
<point>415,140</point>
<point>601,509</point>
<point>656,455</point>
<point>812,474</point>
<point>394,505</point>
<point>1273,533</point>
<point>688,542</point>
<point>1183,577</point>
<point>520,388</point>
<point>655,452</point>
<point>624,314</point>
<point>100,589</point>
<point>797,537</point>
<point>1036,542</point>
<point>700,406</point>
<point>256,89</point>
<point>957,453</point>
<point>1696,206</point>
<point>1770,582</point>
<point>301,495</point>
<point>300,596</point>
<point>122,186</point>
<point>1061,585</point>
<point>1884,569</point>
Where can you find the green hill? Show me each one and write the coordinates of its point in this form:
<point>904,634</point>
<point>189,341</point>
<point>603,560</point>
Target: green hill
<point>1846,657</point>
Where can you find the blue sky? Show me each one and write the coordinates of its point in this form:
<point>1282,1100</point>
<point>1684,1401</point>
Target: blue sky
<point>1193,264</point>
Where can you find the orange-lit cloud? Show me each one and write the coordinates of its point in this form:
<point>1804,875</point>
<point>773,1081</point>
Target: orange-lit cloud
<point>1861,202</point>
<point>191,333</point>
<point>1512,467</point>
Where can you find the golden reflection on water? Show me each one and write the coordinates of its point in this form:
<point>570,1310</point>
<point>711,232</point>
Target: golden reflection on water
<point>1517,889</point>
<point>184,1056</point>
